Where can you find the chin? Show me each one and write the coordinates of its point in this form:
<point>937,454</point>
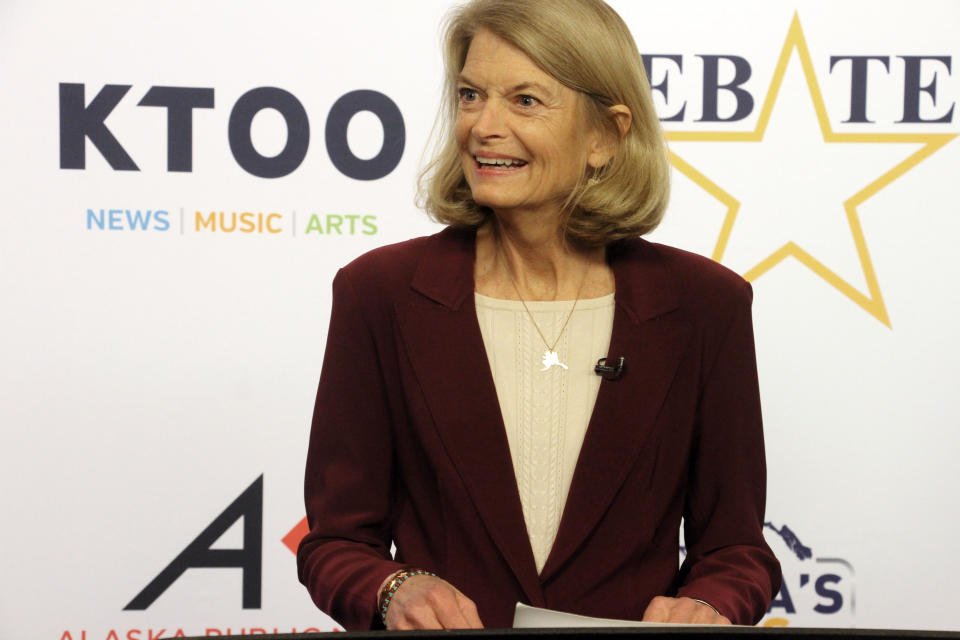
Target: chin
<point>495,203</point>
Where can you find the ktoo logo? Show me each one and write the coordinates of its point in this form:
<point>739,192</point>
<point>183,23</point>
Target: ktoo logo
<point>81,121</point>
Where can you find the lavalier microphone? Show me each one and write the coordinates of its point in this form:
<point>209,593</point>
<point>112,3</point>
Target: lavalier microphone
<point>608,372</point>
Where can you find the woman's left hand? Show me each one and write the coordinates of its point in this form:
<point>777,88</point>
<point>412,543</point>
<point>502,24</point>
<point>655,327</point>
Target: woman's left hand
<point>686,610</point>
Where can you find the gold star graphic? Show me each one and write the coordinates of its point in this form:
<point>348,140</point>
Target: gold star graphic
<point>871,302</point>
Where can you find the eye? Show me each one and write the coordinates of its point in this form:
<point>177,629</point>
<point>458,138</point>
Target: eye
<point>527,101</point>
<point>467,94</point>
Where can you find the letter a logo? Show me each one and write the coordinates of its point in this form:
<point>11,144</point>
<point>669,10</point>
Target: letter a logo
<point>198,554</point>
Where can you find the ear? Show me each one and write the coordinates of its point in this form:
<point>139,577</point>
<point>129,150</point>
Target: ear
<point>605,143</point>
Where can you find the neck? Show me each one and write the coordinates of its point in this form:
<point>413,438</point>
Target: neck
<point>537,259</point>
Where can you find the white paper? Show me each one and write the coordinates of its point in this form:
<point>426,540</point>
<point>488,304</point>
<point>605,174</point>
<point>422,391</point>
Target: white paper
<point>527,617</point>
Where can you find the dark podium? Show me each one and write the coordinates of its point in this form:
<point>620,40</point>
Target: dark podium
<point>631,633</point>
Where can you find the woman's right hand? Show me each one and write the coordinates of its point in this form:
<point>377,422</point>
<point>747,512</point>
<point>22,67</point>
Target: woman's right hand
<point>426,602</point>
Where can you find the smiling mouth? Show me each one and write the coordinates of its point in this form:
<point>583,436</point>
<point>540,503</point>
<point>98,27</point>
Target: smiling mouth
<point>499,163</point>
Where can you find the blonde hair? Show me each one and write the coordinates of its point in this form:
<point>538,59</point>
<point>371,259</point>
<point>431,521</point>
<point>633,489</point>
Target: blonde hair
<point>587,47</point>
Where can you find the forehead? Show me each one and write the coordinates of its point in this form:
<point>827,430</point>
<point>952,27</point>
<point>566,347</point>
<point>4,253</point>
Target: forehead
<point>493,60</point>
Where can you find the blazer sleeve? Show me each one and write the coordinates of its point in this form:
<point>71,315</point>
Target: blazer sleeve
<point>346,555</point>
<point>728,562</point>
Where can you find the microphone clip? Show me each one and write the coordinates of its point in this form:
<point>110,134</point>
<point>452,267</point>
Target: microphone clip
<point>608,372</point>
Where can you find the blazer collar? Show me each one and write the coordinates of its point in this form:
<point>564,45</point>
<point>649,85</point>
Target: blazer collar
<point>445,270</point>
<point>644,288</point>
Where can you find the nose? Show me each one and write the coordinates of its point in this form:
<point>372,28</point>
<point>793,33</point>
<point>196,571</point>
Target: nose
<point>491,120</point>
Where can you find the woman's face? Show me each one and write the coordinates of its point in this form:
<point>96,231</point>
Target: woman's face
<point>524,142</point>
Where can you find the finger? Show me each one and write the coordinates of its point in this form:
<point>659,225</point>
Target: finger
<point>447,610</point>
<point>686,611</point>
<point>455,610</point>
<point>700,615</point>
<point>422,616</point>
<point>406,620</point>
<point>469,610</point>
<point>657,611</point>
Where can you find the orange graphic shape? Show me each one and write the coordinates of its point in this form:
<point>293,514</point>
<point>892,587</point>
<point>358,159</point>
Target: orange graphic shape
<point>292,539</point>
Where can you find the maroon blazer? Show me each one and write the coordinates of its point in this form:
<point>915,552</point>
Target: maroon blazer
<point>408,445</point>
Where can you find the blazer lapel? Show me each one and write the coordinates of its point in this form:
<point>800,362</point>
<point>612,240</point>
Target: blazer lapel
<point>446,351</point>
<point>625,412</point>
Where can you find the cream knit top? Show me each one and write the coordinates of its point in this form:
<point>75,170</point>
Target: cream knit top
<point>545,412</point>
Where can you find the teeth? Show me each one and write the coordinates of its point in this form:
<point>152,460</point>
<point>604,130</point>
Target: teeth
<point>504,162</point>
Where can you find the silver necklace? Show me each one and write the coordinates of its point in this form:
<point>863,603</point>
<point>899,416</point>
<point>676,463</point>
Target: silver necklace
<point>550,356</point>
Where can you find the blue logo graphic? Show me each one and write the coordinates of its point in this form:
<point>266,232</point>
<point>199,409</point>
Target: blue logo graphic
<point>813,585</point>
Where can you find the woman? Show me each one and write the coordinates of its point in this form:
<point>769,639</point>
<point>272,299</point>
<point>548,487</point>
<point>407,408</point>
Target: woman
<point>459,413</point>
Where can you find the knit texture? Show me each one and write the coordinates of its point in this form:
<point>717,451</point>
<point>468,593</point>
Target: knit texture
<point>545,413</point>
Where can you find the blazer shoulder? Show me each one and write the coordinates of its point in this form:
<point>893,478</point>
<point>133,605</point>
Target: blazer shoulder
<point>392,262</point>
<point>439,267</point>
<point>702,284</point>
<point>700,266</point>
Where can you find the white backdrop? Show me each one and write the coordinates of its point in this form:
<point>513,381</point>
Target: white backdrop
<point>151,372</point>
